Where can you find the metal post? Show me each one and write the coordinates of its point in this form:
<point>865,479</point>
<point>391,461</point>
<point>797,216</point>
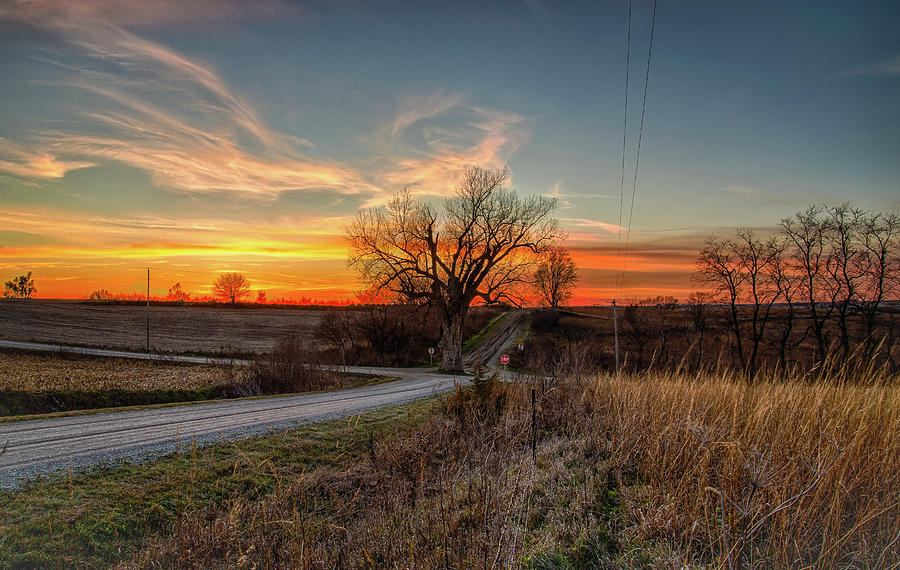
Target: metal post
<point>148,310</point>
<point>533,429</point>
<point>616,329</point>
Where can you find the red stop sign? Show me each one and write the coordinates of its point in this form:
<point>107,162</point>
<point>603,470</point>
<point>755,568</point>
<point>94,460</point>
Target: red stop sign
<point>504,359</point>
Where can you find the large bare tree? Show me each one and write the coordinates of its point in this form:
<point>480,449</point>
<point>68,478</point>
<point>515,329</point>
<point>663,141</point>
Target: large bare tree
<point>478,244</point>
<point>555,277</point>
<point>231,286</point>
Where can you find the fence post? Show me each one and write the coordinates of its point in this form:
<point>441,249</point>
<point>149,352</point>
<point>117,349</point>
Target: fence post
<point>533,429</point>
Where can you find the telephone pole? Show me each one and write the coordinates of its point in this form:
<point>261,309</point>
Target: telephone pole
<point>616,329</point>
<point>148,310</point>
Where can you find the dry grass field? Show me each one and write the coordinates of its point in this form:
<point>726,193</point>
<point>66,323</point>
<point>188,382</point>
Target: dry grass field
<point>40,373</point>
<point>176,329</point>
<point>655,471</point>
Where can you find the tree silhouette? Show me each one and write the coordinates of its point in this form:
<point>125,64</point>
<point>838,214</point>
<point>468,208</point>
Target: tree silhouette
<point>480,243</point>
<point>100,295</point>
<point>555,277</point>
<point>231,287</point>
<point>176,293</point>
<point>21,286</point>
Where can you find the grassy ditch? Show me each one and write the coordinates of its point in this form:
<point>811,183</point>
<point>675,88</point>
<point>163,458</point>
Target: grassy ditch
<point>655,470</point>
<point>483,334</point>
<point>117,513</point>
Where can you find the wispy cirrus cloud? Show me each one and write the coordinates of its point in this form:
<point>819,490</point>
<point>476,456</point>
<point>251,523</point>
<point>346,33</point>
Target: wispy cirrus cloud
<point>884,68</point>
<point>562,195</point>
<point>434,138</point>
<point>137,13</point>
<point>148,106</point>
<point>584,223</point>
<point>744,191</point>
<point>413,109</point>
<point>538,11</point>
<point>158,110</point>
<point>22,161</point>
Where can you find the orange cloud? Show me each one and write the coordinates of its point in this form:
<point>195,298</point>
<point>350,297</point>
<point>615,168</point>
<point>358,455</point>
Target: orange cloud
<point>475,136</point>
<point>21,161</point>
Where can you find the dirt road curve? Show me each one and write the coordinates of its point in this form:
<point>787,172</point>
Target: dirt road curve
<point>78,442</point>
<point>36,447</point>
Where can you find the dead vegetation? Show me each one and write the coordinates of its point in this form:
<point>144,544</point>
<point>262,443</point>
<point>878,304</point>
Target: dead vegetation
<point>654,470</point>
<point>38,373</point>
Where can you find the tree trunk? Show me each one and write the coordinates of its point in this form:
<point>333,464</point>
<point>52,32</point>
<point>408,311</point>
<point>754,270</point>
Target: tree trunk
<point>451,343</point>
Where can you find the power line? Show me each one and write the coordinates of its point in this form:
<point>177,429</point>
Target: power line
<point>624,136</point>
<point>637,161</point>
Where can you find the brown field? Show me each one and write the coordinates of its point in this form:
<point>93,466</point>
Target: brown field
<point>176,329</point>
<point>39,373</point>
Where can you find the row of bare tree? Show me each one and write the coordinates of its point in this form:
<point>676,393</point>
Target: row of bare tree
<point>826,273</point>
<point>229,287</point>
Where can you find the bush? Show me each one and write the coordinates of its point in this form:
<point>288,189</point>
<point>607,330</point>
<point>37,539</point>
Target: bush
<point>290,368</point>
<point>481,404</point>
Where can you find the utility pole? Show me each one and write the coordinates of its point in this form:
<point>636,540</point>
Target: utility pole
<point>616,329</point>
<point>148,310</point>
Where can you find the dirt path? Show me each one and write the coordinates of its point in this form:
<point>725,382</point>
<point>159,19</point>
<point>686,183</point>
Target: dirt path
<point>508,332</point>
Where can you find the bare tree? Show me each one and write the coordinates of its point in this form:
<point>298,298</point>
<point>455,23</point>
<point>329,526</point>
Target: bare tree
<point>740,271</point>
<point>338,328</point>
<point>880,234</point>
<point>176,293</point>
<point>231,286</point>
<point>555,277</point>
<point>479,243</point>
<point>100,295</point>
<point>805,232</point>
<point>845,262</point>
<point>638,329</point>
<point>21,286</point>
<point>719,267</point>
<point>758,260</point>
<point>789,283</point>
<point>261,297</point>
<point>699,302</point>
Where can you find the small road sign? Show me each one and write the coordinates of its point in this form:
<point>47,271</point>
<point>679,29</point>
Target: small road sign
<point>504,359</point>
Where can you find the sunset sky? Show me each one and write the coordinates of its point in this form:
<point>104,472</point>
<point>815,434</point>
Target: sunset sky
<point>207,136</point>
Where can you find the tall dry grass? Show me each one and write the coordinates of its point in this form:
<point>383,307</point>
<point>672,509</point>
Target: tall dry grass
<point>784,474</point>
<point>644,471</point>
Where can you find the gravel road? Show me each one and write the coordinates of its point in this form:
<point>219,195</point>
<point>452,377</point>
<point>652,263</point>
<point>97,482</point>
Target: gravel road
<point>77,443</point>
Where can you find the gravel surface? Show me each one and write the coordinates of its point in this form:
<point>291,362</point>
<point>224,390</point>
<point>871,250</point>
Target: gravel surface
<point>78,443</point>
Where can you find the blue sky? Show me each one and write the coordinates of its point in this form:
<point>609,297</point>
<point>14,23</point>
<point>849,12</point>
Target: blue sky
<point>224,136</point>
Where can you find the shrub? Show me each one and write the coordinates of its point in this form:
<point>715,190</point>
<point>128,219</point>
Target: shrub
<point>291,367</point>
